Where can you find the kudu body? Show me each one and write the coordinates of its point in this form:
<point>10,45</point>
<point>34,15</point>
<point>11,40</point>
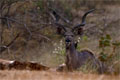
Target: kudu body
<point>74,59</point>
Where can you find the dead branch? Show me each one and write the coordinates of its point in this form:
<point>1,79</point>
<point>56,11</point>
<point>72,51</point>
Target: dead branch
<point>58,16</point>
<point>3,48</point>
<point>9,65</point>
<point>13,20</point>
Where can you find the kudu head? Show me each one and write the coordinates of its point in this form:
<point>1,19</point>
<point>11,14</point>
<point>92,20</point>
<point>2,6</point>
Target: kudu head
<point>69,33</point>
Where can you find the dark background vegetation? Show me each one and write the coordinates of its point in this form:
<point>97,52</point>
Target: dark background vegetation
<point>38,41</point>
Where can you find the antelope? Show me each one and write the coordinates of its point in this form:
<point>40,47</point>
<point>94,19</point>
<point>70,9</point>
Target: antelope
<point>74,59</point>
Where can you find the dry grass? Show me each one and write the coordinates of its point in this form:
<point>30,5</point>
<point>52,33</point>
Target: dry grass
<point>52,75</point>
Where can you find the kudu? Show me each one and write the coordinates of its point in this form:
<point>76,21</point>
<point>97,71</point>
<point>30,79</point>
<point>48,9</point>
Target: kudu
<point>74,59</point>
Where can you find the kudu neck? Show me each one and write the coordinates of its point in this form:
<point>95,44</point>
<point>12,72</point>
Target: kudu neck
<point>71,47</point>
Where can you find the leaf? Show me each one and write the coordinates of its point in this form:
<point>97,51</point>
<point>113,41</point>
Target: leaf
<point>108,37</point>
<point>103,56</point>
<point>116,43</point>
<point>106,43</point>
<point>101,43</point>
<point>102,38</point>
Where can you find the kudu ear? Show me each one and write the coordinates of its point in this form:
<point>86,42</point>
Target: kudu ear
<point>59,31</point>
<point>80,31</point>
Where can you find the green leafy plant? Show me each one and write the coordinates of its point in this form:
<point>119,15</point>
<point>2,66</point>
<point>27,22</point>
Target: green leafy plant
<point>106,42</point>
<point>103,43</point>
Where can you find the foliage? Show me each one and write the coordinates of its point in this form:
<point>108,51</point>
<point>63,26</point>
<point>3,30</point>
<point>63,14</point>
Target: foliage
<point>111,60</point>
<point>105,42</point>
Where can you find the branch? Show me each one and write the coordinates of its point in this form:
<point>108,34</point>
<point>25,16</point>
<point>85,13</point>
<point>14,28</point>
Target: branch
<point>3,48</point>
<point>57,16</point>
<point>9,19</point>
